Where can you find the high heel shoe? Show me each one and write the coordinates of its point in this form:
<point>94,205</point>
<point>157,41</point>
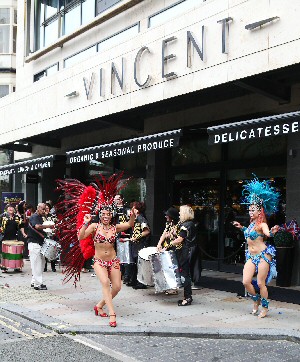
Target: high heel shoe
<point>96,310</point>
<point>113,324</point>
<point>255,307</point>
<point>263,313</point>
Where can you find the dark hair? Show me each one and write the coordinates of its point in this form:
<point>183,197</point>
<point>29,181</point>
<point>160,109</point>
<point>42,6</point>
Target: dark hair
<point>21,208</point>
<point>140,206</point>
<point>47,204</point>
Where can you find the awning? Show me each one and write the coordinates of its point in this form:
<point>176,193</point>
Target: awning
<point>27,166</point>
<point>256,128</point>
<point>158,141</point>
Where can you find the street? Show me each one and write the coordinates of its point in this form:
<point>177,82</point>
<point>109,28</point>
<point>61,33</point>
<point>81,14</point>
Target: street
<point>23,340</point>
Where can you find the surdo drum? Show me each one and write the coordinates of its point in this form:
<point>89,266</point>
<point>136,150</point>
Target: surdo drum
<point>165,270</point>
<point>12,254</point>
<point>144,275</point>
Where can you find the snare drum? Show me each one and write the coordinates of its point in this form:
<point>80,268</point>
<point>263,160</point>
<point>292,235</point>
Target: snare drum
<point>50,249</point>
<point>144,275</point>
<point>165,270</point>
<point>12,254</point>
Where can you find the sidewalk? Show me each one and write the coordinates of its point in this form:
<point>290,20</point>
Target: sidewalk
<point>214,313</point>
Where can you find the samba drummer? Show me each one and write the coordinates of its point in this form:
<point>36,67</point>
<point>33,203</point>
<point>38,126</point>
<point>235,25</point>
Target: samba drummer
<point>169,234</point>
<point>183,243</point>
<point>140,239</point>
<point>10,224</point>
<point>36,237</point>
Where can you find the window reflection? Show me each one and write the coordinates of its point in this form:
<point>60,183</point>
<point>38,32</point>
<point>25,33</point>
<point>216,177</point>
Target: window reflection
<point>72,20</point>
<point>4,38</point>
<point>4,90</point>
<point>51,33</point>
<point>4,16</point>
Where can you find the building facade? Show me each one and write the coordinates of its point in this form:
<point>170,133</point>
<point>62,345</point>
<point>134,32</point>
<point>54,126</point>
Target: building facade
<point>134,85</point>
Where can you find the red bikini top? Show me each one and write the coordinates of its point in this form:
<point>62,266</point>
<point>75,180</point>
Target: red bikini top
<point>99,238</point>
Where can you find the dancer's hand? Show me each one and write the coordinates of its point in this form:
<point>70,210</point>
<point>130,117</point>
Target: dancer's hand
<point>236,224</point>
<point>274,229</point>
<point>87,218</point>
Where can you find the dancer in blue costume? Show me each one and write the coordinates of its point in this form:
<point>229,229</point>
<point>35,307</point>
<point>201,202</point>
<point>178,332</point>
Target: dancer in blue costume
<point>260,257</point>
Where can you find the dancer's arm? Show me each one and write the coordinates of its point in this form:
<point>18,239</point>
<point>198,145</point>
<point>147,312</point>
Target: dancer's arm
<point>86,228</point>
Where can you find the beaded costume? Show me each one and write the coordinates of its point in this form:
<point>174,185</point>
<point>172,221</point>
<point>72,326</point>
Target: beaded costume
<point>76,201</point>
<point>266,199</point>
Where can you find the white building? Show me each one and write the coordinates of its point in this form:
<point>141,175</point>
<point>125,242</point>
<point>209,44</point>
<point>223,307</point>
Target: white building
<point>97,73</point>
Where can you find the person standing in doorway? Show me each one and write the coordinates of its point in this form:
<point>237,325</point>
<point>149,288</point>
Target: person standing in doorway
<point>36,237</point>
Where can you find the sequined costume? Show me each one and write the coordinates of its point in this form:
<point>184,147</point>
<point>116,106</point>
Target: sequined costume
<point>77,200</point>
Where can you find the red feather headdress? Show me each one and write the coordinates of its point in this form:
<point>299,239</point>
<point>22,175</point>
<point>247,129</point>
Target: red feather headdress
<point>77,200</point>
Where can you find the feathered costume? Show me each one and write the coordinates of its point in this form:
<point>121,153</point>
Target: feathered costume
<point>77,201</point>
<point>266,199</point>
<point>261,194</point>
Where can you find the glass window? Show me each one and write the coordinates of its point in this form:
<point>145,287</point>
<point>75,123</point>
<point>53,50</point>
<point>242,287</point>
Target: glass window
<point>4,38</point>
<point>195,151</point>
<point>51,33</point>
<point>51,8</point>
<point>15,16</point>
<point>103,5</point>
<point>4,90</point>
<point>4,16</point>
<point>88,11</point>
<point>77,58</point>
<point>171,12</point>
<point>266,147</point>
<point>72,20</point>
<point>46,72</point>
<point>118,38</point>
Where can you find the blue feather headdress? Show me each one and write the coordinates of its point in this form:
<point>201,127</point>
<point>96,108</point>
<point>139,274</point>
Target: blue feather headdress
<point>261,194</point>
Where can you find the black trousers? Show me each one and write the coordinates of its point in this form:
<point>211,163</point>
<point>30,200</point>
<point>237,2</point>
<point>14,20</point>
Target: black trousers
<point>184,268</point>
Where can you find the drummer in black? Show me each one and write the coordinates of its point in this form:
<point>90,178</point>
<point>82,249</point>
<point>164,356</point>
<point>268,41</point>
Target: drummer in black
<point>185,240</point>
<point>139,239</point>
<point>123,215</point>
<point>171,229</point>
<point>9,226</point>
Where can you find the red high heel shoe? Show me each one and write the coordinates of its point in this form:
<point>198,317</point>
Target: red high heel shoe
<point>96,310</point>
<point>113,324</point>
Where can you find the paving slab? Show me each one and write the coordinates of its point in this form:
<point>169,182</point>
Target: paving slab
<point>214,313</point>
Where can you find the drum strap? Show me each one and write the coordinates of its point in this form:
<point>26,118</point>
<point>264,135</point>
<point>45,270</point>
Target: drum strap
<point>34,229</point>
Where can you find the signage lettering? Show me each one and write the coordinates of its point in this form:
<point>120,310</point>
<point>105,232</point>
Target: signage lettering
<point>118,150</point>
<point>248,133</point>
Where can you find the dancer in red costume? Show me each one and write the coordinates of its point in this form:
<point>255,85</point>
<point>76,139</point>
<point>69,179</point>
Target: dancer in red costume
<point>92,239</point>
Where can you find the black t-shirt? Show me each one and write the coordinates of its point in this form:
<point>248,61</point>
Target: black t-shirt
<point>34,235</point>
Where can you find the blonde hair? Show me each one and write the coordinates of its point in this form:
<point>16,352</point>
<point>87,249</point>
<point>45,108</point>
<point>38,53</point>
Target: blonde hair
<point>186,213</point>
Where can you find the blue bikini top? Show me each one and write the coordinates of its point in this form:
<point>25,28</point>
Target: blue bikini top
<point>251,234</point>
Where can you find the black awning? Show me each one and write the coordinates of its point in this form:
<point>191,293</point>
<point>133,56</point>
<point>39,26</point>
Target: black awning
<point>256,128</point>
<point>158,141</point>
<point>27,166</point>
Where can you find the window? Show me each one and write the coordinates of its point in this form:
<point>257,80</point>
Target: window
<point>109,42</point>
<point>4,90</point>
<point>4,16</point>
<point>4,38</point>
<point>118,38</point>
<point>46,72</point>
<point>171,12</point>
<point>103,5</point>
<point>55,18</point>
<point>77,58</point>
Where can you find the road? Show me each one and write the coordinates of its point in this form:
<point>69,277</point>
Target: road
<point>22,340</point>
